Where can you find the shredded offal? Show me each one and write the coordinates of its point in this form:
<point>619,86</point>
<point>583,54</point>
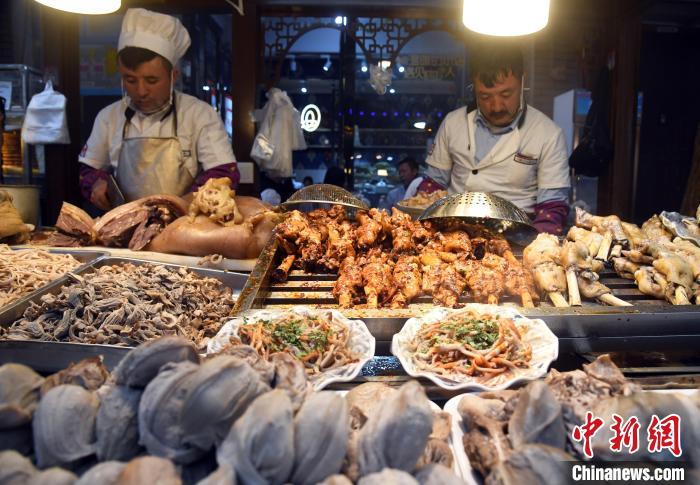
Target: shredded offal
<point>127,305</point>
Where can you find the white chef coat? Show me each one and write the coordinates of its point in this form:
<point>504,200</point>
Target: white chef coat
<point>200,131</point>
<point>532,157</point>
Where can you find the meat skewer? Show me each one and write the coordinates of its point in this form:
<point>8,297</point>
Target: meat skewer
<point>349,282</point>
<point>282,271</point>
<point>407,275</point>
<point>541,257</point>
<point>591,239</point>
<point>518,282</point>
<point>592,288</point>
<point>604,249</point>
<point>572,257</point>
<point>486,277</point>
<point>625,268</point>
<point>611,224</point>
<point>378,281</point>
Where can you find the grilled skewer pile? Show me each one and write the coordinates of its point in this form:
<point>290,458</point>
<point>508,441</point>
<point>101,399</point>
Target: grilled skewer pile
<point>385,260</point>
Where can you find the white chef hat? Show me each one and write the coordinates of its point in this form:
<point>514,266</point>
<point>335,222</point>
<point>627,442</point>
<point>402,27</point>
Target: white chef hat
<point>157,32</point>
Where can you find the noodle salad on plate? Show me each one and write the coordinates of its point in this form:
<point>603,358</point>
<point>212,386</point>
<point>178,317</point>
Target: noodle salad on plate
<point>332,347</point>
<point>483,347</point>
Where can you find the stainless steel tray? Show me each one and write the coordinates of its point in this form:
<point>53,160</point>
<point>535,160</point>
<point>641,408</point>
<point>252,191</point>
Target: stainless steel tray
<point>85,257</point>
<point>649,324</point>
<point>54,356</point>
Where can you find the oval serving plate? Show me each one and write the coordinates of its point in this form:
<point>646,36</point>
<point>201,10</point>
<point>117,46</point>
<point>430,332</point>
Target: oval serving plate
<point>545,349</point>
<point>361,342</point>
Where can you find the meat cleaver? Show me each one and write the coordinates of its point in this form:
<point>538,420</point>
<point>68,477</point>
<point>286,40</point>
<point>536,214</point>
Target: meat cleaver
<point>116,198</point>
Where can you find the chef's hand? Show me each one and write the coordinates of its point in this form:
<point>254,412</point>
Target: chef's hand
<point>98,196</point>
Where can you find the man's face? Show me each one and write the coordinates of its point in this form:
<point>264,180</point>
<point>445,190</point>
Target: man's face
<point>406,173</point>
<point>148,85</point>
<point>500,103</point>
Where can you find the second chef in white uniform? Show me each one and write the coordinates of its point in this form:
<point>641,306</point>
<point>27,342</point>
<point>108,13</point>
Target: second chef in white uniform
<point>504,147</point>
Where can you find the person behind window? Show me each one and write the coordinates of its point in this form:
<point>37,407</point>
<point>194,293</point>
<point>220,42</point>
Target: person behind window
<point>410,181</point>
<point>504,147</point>
<point>155,140</point>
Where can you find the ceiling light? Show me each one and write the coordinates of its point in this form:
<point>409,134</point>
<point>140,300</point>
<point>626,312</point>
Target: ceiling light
<point>389,158</point>
<point>93,7</point>
<point>304,90</point>
<point>401,68</point>
<point>419,124</point>
<point>392,90</point>
<point>327,65</point>
<point>378,157</point>
<point>340,20</point>
<point>505,17</point>
<point>364,67</point>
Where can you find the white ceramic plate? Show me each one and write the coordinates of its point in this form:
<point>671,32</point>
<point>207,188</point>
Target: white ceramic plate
<point>545,349</point>
<point>361,341</point>
<point>462,465</point>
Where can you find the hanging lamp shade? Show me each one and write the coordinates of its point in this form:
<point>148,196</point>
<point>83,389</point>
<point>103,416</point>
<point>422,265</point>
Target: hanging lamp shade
<point>91,7</point>
<point>505,17</point>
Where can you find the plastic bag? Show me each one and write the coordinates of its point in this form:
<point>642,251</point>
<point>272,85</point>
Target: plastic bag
<point>279,134</point>
<point>45,122</point>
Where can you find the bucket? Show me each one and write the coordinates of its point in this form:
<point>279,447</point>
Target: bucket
<point>25,198</point>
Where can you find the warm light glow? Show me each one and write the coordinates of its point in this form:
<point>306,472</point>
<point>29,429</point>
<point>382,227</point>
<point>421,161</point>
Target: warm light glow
<point>91,7</point>
<point>505,17</point>
<point>382,172</point>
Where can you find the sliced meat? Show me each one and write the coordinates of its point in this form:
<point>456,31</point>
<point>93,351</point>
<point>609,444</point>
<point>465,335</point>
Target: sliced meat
<point>75,222</point>
<point>119,226</point>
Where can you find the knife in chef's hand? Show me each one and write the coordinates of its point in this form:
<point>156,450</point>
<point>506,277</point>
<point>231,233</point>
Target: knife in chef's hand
<point>116,198</point>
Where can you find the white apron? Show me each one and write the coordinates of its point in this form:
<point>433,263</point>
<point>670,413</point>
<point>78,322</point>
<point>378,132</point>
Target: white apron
<point>152,165</point>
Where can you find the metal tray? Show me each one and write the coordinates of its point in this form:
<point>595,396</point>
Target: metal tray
<point>649,324</point>
<point>85,257</point>
<point>54,356</point>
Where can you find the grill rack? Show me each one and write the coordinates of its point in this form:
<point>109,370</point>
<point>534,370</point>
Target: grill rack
<point>649,324</point>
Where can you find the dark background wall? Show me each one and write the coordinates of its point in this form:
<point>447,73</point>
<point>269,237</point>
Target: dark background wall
<point>669,78</point>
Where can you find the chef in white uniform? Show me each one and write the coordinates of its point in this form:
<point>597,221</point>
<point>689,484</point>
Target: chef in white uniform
<point>504,147</point>
<point>155,140</point>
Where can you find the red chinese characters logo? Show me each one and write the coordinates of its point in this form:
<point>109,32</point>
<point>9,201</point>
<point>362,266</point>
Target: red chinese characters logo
<point>586,432</point>
<point>665,434</point>
<point>624,434</point>
<point>662,434</point>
